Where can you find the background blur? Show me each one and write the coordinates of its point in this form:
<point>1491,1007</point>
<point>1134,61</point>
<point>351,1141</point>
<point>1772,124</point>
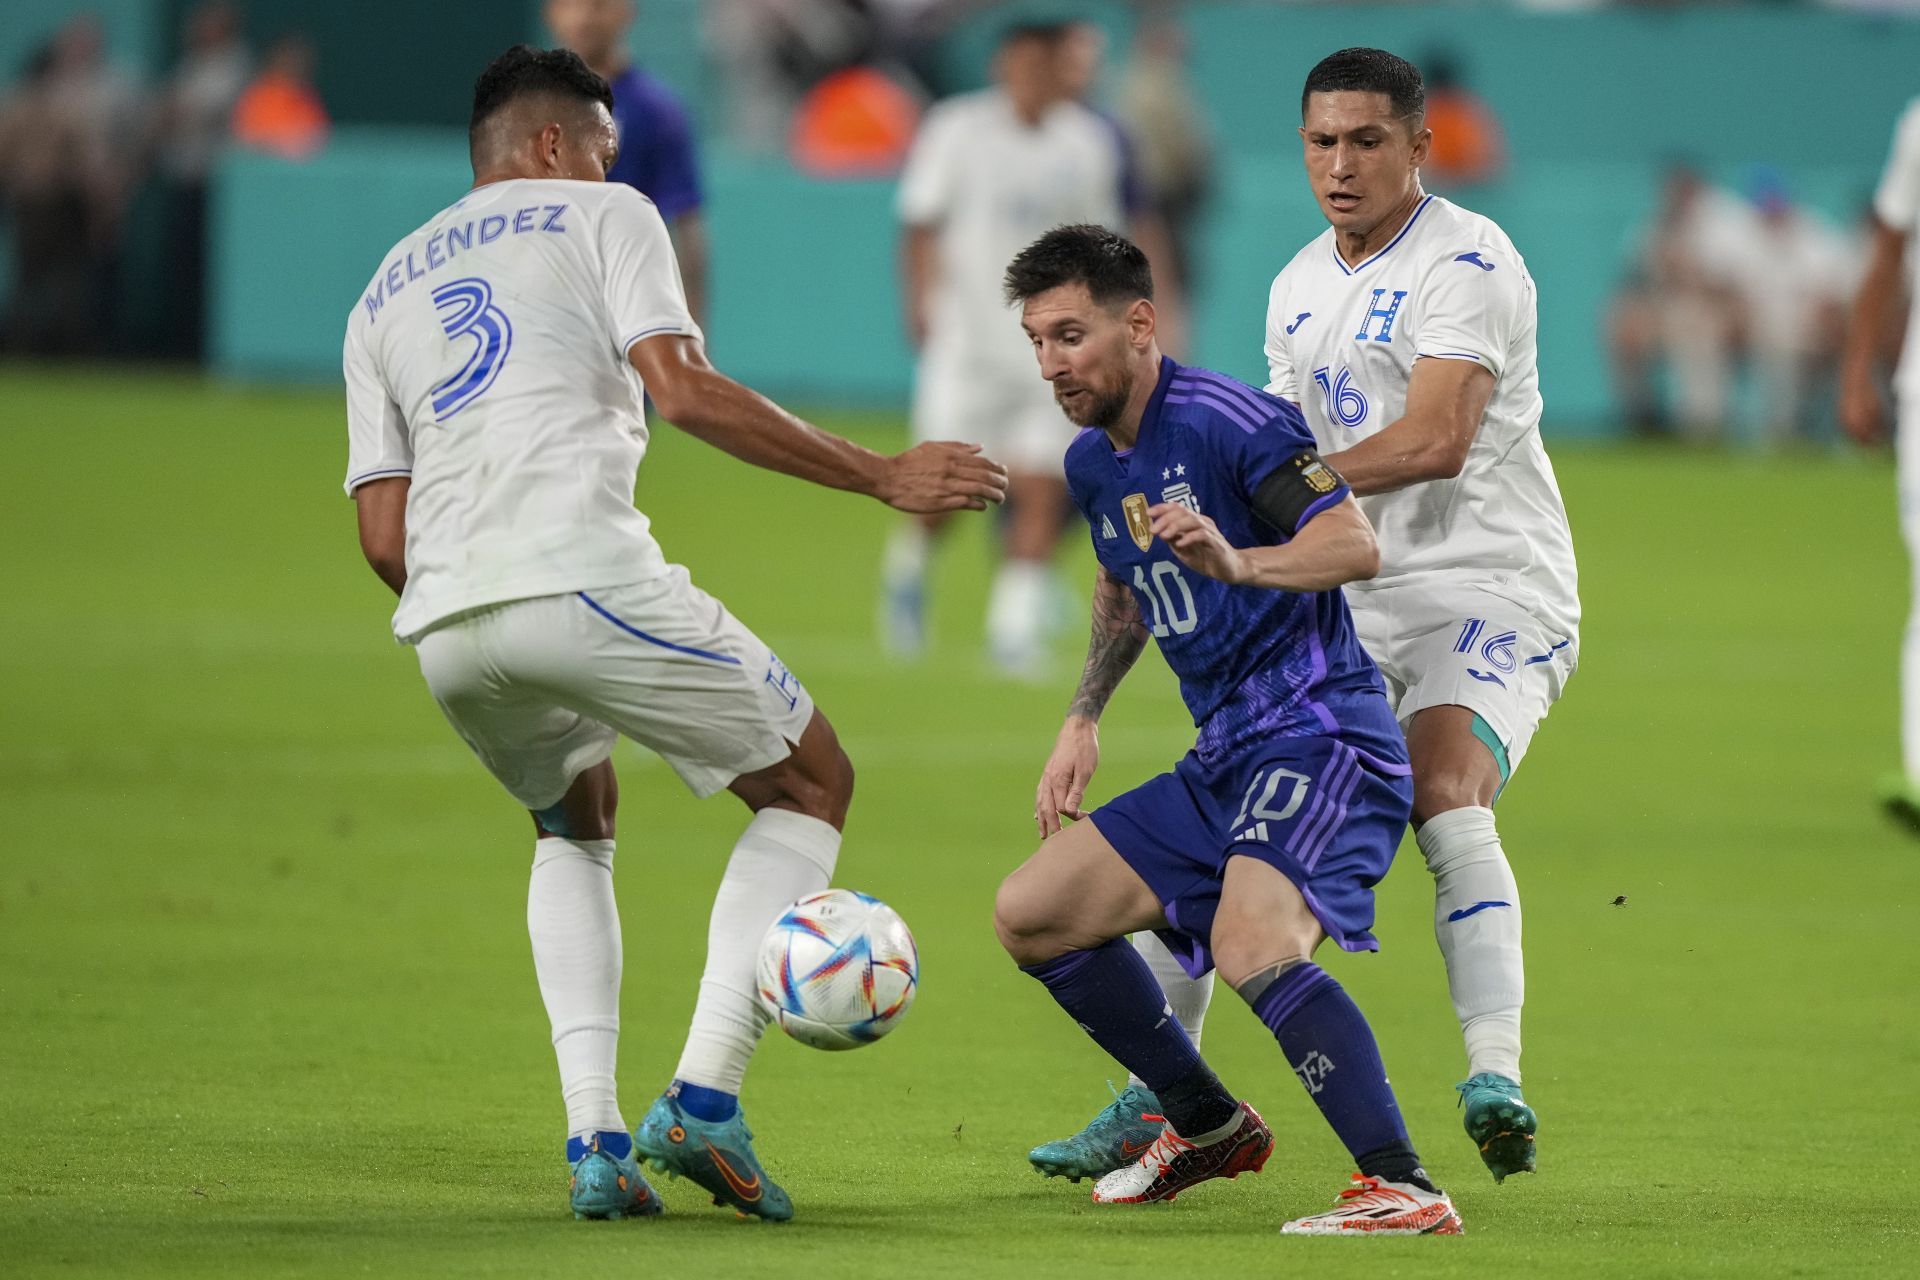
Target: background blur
<point>213,182</point>
<point>265,1006</point>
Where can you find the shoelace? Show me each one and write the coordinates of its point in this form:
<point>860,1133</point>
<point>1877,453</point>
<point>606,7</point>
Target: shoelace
<point>1166,1148</point>
<point>1367,1192</point>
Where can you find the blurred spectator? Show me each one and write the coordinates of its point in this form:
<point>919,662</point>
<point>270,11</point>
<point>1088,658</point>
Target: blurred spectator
<point>1079,60</point>
<point>656,140</point>
<point>1468,145</point>
<point>988,174</point>
<point>1678,308</point>
<point>281,112</point>
<point>191,129</point>
<point>1791,280</point>
<point>46,165</point>
<point>1173,144</point>
<point>857,122</point>
<point>71,260</point>
<point>774,51</point>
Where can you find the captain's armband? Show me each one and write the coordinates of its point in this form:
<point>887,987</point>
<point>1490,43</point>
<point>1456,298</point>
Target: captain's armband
<point>1297,490</point>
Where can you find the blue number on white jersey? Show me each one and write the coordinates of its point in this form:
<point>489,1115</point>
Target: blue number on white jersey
<point>466,309</point>
<point>1345,403</point>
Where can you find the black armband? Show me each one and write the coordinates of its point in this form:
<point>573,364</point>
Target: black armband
<point>1293,489</point>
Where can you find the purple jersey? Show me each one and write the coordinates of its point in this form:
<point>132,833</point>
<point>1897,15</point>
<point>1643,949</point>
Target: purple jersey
<point>1254,664</point>
<point>656,144</point>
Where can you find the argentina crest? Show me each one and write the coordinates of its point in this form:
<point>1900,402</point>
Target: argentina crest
<point>1135,505</point>
<point>1318,475</point>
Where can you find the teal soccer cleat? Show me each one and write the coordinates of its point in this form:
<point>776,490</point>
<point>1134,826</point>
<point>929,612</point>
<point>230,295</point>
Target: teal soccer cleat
<point>715,1155</point>
<point>1500,1123</point>
<point>608,1186</point>
<point>1112,1140</point>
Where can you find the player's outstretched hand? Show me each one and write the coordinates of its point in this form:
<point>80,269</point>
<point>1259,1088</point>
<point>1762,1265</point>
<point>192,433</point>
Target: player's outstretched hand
<point>1063,783</point>
<point>942,475</point>
<point>1197,541</point>
<point>1861,415</point>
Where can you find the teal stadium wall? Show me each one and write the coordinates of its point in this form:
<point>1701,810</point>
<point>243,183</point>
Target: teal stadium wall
<point>805,301</point>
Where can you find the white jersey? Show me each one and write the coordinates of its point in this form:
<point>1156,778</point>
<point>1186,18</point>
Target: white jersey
<point>1897,204</point>
<point>487,360</point>
<point>992,184</point>
<point>1341,342</point>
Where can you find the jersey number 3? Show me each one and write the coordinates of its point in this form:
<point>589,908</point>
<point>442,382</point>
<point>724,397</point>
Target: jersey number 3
<point>467,311</point>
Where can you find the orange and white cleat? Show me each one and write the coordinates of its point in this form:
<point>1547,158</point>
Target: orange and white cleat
<point>1172,1164</point>
<point>1374,1206</point>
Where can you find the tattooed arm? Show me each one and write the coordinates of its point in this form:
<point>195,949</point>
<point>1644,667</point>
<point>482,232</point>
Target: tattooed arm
<point>1117,640</point>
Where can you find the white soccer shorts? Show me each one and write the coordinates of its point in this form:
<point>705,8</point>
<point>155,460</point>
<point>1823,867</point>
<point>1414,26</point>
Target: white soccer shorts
<point>1009,412</point>
<point>1454,644</point>
<point>540,688</point>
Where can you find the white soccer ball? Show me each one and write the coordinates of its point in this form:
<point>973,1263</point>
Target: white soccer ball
<point>838,969</point>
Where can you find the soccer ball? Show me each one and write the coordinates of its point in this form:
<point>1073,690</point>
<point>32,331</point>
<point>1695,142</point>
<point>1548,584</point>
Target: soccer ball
<point>838,969</point>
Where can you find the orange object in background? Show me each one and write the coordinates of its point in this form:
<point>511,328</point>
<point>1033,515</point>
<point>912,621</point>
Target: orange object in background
<point>280,112</point>
<point>1467,144</point>
<point>855,123</point>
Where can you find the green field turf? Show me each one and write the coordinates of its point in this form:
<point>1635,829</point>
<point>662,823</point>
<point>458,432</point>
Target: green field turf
<point>266,1005</point>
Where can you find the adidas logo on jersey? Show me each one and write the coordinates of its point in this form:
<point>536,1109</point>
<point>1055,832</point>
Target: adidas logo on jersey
<point>1107,533</point>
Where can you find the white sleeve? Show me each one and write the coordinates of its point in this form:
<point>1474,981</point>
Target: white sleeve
<point>927,183</point>
<point>377,441</point>
<point>1470,308</point>
<point>1280,371</point>
<point>1897,202</point>
<point>642,286</point>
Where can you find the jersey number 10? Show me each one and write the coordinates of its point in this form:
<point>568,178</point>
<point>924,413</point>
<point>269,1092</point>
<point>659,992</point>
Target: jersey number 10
<point>1169,618</point>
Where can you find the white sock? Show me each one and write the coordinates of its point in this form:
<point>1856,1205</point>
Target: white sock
<point>575,930</point>
<point>904,561</point>
<point>1017,607</point>
<point>781,856</point>
<point>1187,997</point>
<point>1480,942</point>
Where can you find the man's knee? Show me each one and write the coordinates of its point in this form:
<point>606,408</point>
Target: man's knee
<point>1448,784</point>
<point>816,778</point>
<point>1263,926</point>
<point>1026,920</point>
<point>1250,954</point>
<point>1454,766</point>
<point>586,811</point>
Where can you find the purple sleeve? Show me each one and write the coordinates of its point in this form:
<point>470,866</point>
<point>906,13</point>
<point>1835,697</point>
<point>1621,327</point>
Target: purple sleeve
<point>1133,188</point>
<point>1281,475</point>
<point>676,173</point>
<point>656,148</point>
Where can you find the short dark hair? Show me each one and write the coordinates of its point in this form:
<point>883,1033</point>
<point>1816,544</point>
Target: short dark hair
<point>1362,70</point>
<point>524,70</point>
<point>1045,32</point>
<point>1110,265</point>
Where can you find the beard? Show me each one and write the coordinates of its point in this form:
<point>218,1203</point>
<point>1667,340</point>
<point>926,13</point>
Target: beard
<point>1093,407</point>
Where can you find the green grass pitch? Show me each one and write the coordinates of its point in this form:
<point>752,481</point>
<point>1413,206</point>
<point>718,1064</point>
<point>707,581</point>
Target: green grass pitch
<point>266,1005</point>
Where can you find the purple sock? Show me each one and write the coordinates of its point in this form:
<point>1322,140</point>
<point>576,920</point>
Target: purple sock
<point>1115,998</point>
<point>1332,1050</point>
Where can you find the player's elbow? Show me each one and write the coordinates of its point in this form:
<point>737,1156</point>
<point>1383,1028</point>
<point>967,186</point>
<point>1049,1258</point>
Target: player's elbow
<point>1446,458</point>
<point>672,399</point>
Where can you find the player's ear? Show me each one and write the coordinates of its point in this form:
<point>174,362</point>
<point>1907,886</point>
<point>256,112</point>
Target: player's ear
<point>1141,322</point>
<point>1422,143</point>
<point>547,145</point>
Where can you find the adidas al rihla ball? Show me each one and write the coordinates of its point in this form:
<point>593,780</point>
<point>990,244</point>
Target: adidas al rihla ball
<point>838,969</point>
